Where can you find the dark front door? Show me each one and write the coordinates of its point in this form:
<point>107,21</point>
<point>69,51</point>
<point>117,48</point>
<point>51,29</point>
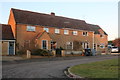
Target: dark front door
<point>11,48</point>
<point>58,52</point>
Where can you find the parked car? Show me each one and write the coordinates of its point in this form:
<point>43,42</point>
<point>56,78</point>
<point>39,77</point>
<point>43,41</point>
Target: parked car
<point>114,49</point>
<point>88,52</point>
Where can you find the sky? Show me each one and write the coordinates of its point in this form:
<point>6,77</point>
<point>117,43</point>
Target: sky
<point>103,13</point>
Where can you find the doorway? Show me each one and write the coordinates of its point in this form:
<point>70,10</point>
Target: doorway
<point>11,48</point>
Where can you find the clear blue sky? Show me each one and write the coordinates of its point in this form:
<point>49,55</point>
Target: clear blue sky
<point>104,14</point>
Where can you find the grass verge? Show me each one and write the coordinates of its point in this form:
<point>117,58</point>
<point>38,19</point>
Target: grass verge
<point>101,69</point>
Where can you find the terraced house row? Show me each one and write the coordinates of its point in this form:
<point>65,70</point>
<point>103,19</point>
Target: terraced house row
<point>33,30</point>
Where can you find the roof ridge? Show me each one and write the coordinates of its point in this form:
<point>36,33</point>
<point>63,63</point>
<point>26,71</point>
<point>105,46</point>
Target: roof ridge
<point>37,18</point>
<point>28,11</point>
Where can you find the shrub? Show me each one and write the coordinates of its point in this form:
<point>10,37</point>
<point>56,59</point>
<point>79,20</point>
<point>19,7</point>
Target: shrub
<point>20,52</point>
<point>61,48</point>
<point>41,52</point>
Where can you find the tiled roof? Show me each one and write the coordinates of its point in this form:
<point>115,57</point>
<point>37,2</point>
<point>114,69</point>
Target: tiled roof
<point>35,18</point>
<point>6,32</point>
<point>39,34</point>
<point>95,28</point>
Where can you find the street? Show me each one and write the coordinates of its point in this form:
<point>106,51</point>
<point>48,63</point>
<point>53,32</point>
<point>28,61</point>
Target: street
<point>48,68</point>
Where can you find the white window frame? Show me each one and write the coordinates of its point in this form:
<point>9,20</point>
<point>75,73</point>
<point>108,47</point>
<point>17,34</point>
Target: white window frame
<point>67,43</point>
<point>57,31</point>
<point>75,32</point>
<point>30,28</point>
<point>85,44</point>
<point>46,44</point>
<point>56,45</point>
<point>102,35</point>
<point>102,45</point>
<point>86,33</point>
<point>66,31</point>
<point>46,29</point>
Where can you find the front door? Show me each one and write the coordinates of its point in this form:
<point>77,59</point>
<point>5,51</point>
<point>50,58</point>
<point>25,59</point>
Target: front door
<point>58,53</point>
<point>11,48</point>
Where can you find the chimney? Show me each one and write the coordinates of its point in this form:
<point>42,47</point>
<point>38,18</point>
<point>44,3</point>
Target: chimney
<point>52,13</point>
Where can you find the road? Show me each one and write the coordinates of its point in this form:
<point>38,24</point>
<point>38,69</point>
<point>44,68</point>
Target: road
<point>47,69</point>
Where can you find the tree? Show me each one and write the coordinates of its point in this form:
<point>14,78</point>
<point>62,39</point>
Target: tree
<point>110,43</point>
<point>116,42</point>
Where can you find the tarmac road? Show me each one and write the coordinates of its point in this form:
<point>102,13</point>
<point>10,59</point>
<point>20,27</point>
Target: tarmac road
<point>47,69</point>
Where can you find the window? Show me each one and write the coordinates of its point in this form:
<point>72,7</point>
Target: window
<point>30,28</point>
<point>44,44</point>
<point>102,46</point>
<point>53,45</point>
<point>57,31</point>
<point>85,45</point>
<point>69,45</point>
<point>74,32</point>
<point>46,29</point>
<point>101,35</point>
<point>66,32</point>
<point>85,33</point>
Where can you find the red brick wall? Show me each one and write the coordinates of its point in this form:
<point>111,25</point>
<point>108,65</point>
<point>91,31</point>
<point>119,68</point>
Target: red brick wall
<point>23,35</point>
<point>12,22</point>
<point>101,40</point>
<point>46,37</point>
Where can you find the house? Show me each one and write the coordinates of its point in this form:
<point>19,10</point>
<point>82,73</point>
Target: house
<point>7,40</point>
<point>100,38</point>
<point>47,31</point>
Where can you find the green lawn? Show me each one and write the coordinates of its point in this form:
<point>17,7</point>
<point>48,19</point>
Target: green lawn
<point>101,69</point>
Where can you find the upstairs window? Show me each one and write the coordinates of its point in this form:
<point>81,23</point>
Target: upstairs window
<point>30,28</point>
<point>66,32</point>
<point>74,32</point>
<point>46,29</point>
<point>57,31</point>
<point>101,35</point>
<point>85,33</point>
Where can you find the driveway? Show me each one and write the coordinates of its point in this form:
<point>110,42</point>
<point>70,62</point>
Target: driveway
<point>48,68</point>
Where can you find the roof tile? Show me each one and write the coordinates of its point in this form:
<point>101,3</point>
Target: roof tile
<point>7,33</point>
<point>35,18</point>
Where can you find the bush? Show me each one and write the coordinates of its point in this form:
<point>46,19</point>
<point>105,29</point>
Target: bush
<point>41,52</point>
<point>61,48</point>
<point>20,52</point>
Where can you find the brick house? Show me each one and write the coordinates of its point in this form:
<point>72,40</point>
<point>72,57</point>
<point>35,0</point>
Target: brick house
<point>100,38</point>
<point>48,31</point>
<point>7,42</point>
